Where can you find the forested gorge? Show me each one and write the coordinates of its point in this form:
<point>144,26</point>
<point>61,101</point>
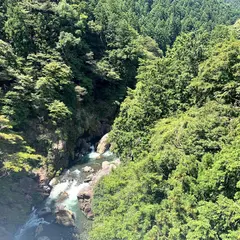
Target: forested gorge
<point>165,74</point>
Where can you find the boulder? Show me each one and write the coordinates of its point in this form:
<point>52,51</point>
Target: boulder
<point>62,196</point>
<point>53,182</point>
<point>103,144</point>
<point>112,167</point>
<point>85,193</point>
<point>46,188</point>
<point>85,196</point>
<point>65,217</point>
<point>88,169</point>
<point>109,166</point>
<point>105,165</point>
<point>44,212</point>
<point>86,206</point>
<point>88,178</point>
<point>90,215</point>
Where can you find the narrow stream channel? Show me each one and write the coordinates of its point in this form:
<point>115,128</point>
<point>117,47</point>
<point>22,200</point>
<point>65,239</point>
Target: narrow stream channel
<point>70,182</point>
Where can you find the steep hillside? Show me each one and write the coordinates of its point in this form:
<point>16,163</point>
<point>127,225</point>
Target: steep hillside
<point>69,67</point>
<point>178,136</point>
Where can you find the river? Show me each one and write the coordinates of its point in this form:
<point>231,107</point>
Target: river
<point>70,182</point>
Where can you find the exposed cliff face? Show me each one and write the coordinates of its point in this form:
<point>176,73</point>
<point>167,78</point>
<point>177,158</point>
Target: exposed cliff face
<point>103,144</point>
<point>64,145</point>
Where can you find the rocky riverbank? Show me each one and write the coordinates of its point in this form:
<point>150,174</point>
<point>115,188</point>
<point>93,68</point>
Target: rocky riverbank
<point>86,195</point>
<point>68,207</point>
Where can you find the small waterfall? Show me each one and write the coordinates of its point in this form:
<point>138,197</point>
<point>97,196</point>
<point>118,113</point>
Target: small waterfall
<point>33,221</point>
<point>93,154</point>
<point>70,183</point>
<point>57,189</point>
<point>108,154</point>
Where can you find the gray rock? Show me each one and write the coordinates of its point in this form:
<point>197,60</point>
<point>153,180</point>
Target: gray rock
<point>103,144</point>
<point>46,189</point>
<point>86,192</point>
<point>65,217</point>
<point>44,211</point>
<point>105,165</point>
<point>88,169</point>
<point>53,182</point>
<point>62,196</point>
<point>88,178</point>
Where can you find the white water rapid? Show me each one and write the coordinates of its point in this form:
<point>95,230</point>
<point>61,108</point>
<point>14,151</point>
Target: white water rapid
<point>63,195</point>
<point>32,222</point>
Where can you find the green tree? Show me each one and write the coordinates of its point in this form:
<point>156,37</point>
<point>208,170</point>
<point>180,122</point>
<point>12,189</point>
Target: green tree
<point>177,189</point>
<point>15,154</point>
<point>218,76</point>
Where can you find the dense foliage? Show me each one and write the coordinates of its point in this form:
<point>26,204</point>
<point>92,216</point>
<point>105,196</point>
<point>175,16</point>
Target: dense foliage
<point>178,137</point>
<point>178,191</point>
<point>66,65</point>
<point>173,69</point>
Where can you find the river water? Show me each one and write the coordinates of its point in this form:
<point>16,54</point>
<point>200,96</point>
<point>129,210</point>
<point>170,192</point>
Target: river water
<point>70,182</point>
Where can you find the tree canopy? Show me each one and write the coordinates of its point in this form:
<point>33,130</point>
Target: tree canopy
<point>178,137</point>
<point>165,74</point>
